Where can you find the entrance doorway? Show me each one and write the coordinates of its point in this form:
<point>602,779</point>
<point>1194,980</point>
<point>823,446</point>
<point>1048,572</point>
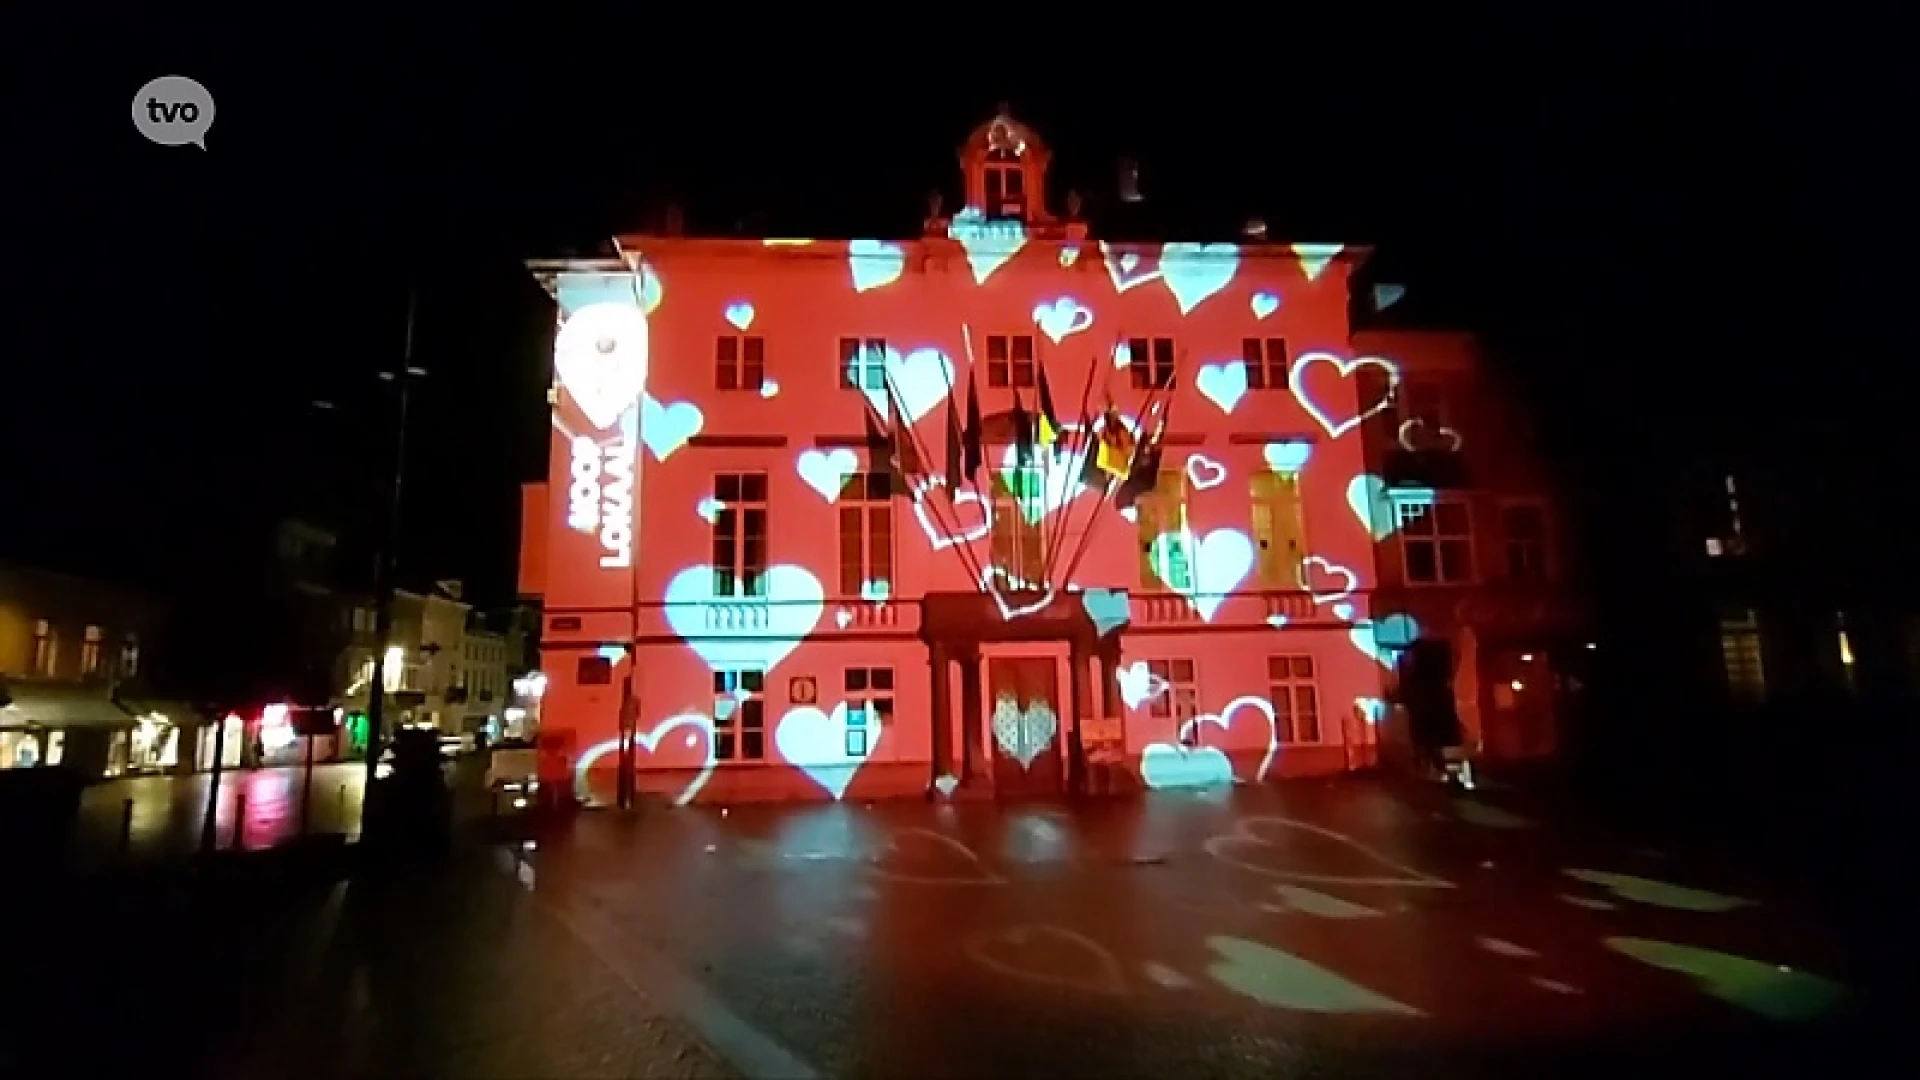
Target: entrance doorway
<point>1026,725</point>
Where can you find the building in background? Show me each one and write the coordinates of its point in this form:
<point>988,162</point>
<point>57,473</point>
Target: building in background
<point>1035,501</point>
<point>486,679</point>
<point>71,657</point>
<point>425,656</point>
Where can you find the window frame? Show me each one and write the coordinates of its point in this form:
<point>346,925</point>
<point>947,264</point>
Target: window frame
<point>1296,687</point>
<point>867,498</point>
<point>861,700</point>
<point>1152,360</point>
<point>734,365</point>
<point>862,360</point>
<point>1004,373</point>
<point>730,733</point>
<point>1263,371</point>
<point>1544,554</point>
<point>1436,539</point>
<point>1150,525</point>
<point>732,523</point>
<point>1180,702</point>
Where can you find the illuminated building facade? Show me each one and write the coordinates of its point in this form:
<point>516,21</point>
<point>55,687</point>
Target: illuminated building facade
<point>766,541</point>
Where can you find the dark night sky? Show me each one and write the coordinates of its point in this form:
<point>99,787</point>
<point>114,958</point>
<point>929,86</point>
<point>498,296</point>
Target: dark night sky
<point>1646,220</point>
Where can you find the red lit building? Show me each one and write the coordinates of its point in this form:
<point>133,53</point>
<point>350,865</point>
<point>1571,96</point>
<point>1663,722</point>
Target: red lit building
<point>763,538</point>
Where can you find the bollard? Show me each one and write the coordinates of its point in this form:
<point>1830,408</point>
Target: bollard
<point>126,826</point>
<point>240,821</point>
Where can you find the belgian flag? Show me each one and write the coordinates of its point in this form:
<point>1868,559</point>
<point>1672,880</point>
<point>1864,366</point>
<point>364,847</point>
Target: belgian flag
<point>1050,434</point>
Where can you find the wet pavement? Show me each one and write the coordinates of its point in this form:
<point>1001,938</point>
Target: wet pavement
<point>258,808</point>
<point>1322,929</point>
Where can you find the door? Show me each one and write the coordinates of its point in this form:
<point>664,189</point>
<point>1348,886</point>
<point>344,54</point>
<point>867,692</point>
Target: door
<point>1023,721</point>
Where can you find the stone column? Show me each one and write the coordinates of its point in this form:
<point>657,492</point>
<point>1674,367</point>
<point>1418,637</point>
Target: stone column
<point>942,688</point>
<point>972,769</point>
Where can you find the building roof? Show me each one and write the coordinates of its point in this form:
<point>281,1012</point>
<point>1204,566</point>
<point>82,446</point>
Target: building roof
<point>61,707</point>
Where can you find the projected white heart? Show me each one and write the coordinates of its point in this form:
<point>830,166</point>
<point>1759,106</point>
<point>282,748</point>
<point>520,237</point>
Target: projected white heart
<point>1339,421</point>
<point>874,263</point>
<point>997,583</point>
<point>1220,562</point>
<point>988,243</point>
<point>740,313</point>
<point>1024,733</point>
<point>1224,383</point>
<point>678,743</point>
<point>1193,272</point>
<point>1263,304</point>
<point>1124,268</point>
<point>969,514</point>
<point>816,743</point>
<point>1382,641</point>
<point>1062,317</point>
<point>1051,484</point>
<point>732,633</point>
<point>1314,258</point>
<point>1139,685</point>
<point>666,428</point>
<point>1165,766</point>
<point>1372,502</point>
<point>1328,581</point>
<point>921,380</point>
<point>1205,473</point>
<point>826,471</point>
<point>1288,457</point>
<point>600,354</point>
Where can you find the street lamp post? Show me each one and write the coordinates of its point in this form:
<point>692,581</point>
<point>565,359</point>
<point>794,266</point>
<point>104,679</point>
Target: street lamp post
<point>384,563</point>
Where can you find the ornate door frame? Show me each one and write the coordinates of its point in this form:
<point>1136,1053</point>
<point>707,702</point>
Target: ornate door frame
<point>1060,652</point>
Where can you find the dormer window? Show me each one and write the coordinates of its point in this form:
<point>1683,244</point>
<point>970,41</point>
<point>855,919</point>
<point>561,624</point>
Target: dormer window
<point>1006,185</point>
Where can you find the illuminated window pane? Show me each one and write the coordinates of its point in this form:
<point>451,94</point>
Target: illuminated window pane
<point>1295,698</point>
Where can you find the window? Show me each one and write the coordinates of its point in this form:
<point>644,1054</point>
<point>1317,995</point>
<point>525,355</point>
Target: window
<point>740,535</point>
<point>591,671</point>
<point>1006,184</point>
<point>130,657</point>
<point>1740,653</point>
<point>869,706</point>
<point>740,363</point>
<point>1150,362</point>
<point>1279,530</point>
<point>1295,697</point>
<point>1018,539</point>
<point>1266,362</point>
<point>1525,526</point>
<point>1010,360</point>
<point>866,536</point>
<point>739,715</point>
<point>863,363</point>
<point>1165,541</point>
<point>1181,702</point>
<point>1436,540</point>
<point>91,645</point>
<point>46,649</point>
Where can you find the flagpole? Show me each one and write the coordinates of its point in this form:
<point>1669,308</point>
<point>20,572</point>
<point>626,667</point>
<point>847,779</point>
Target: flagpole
<point>1060,530</point>
<point>916,490</point>
<point>965,550</point>
<point>1145,439</point>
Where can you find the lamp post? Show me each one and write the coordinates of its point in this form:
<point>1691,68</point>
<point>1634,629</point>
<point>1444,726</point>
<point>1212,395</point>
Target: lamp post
<point>384,562</point>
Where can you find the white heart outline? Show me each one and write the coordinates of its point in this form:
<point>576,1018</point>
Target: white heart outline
<point>1244,832</point>
<point>831,461</point>
<point>1008,614</point>
<point>1219,720</point>
<point>1197,463</point>
<point>1346,369</point>
<point>651,741</point>
<point>1120,273</point>
<point>1441,433</point>
<point>1332,568</point>
<point>942,543</point>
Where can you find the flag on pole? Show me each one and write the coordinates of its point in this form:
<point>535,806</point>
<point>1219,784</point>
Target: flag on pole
<point>1143,473</point>
<point>955,448</point>
<point>1022,434</point>
<point>1050,434</point>
<point>973,449</point>
<point>1115,451</point>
